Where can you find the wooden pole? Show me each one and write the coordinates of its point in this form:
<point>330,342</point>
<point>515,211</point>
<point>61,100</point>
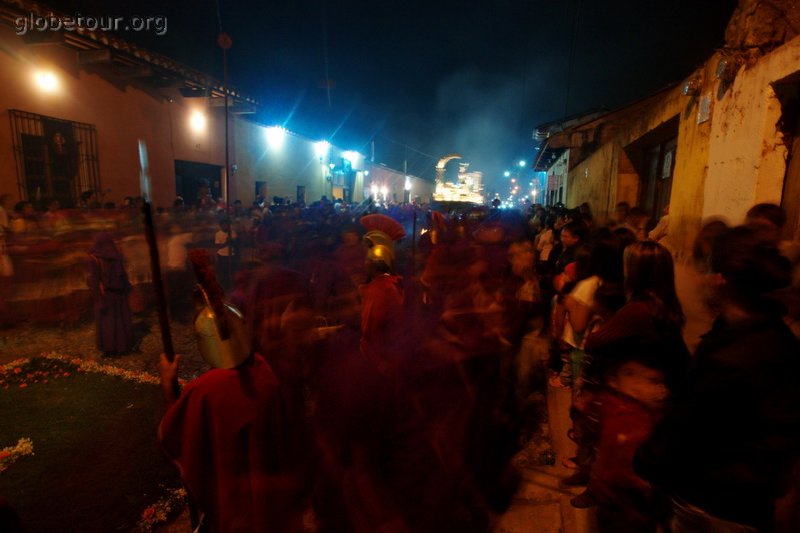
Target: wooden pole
<point>158,284</point>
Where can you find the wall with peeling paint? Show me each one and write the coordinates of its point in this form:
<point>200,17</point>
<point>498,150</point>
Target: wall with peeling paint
<point>725,162</point>
<point>747,155</point>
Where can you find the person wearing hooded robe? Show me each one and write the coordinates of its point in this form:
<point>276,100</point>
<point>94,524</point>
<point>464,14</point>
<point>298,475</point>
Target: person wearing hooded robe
<point>110,288</point>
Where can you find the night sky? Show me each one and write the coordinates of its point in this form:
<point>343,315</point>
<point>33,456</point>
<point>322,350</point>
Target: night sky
<point>425,78</point>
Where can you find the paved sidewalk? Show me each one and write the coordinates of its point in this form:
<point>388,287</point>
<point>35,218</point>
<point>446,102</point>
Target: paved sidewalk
<point>540,505</point>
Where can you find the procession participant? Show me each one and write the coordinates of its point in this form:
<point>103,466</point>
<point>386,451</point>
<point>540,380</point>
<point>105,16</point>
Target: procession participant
<point>225,430</point>
<point>382,296</point>
<point>110,287</point>
<point>6,277</point>
<point>349,274</point>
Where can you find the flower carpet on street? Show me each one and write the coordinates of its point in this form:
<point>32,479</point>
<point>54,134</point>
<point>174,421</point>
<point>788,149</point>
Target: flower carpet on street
<point>97,465</point>
<point>10,454</point>
<point>160,511</point>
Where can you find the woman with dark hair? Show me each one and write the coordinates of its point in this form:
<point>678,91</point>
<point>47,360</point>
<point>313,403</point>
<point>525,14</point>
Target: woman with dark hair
<point>651,317</point>
<point>110,288</point>
<point>724,450</point>
<point>580,313</point>
<point>642,357</point>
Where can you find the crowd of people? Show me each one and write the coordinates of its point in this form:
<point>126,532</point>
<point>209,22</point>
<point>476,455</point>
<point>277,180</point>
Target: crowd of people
<point>385,383</point>
<point>690,440</point>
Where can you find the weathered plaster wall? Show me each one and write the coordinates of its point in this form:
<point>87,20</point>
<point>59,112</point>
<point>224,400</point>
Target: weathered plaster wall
<point>747,157</point>
<point>557,176</point>
<point>395,182</point>
<point>687,198</point>
<point>284,167</point>
<point>598,179</point>
<point>627,181</point>
<point>592,179</point>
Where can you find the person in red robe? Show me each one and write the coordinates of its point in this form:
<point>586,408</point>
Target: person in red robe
<point>228,431</point>
<point>223,433</point>
<point>382,296</point>
<point>381,303</point>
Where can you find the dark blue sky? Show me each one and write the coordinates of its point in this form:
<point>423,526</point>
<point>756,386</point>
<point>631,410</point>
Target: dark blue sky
<point>425,78</point>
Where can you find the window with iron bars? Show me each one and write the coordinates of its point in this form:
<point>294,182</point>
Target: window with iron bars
<point>56,159</point>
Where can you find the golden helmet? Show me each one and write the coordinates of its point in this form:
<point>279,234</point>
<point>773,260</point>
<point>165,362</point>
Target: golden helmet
<point>376,238</point>
<point>221,345</point>
<point>381,254</point>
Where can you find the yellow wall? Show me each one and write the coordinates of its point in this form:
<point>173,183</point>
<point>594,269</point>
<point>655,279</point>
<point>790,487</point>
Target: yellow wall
<point>723,166</point>
<point>600,179</point>
<point>591,181</point>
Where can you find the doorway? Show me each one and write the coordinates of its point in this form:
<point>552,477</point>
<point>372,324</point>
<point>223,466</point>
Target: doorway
<point>195,182</point>
<point>789,94</point>
<point>653,158</point>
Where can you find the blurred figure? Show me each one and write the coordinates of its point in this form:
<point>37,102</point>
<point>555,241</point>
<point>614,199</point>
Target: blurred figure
<point>227,430</point>
<point>5,208</point>
<point>571,235</point>
<point>225,243</point>
<point>620,214</point>
<point>382,295</point>
<point>660,232</point>
<point>348,259</point>
<point>636,221</point>
<point>54,219</point>
<point>694,283</point>
<point>23,219</point>
<point>769,222</point>
<point>641,354</point>
<point>110,288</point>
<point>725,449</point>
<point>581,313</point>
<point>178,277</point>
<point>6,279</point>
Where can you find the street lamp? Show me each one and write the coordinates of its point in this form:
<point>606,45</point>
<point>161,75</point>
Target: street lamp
<point>506,173</point>
<point>351,156</point>
<point>197,122</point>
<point>522,163</point>
<point>321,148</point>
<point>276,136</point>
<point>46,81</point>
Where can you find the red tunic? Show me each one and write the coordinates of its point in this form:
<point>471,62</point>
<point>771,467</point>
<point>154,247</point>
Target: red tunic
<point>222,434</point>
<point>381,302</point>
